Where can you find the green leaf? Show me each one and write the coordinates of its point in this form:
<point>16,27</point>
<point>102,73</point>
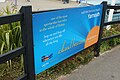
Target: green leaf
<point>2,47</point>
<point>7,40</point>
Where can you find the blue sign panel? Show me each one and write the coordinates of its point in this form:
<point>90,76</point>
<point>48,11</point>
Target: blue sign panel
<point>60,34</point>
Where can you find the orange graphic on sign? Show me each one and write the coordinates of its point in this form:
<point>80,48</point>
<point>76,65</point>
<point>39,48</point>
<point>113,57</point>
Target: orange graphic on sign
<point>92,36</point>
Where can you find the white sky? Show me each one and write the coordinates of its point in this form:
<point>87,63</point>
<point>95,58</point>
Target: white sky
<point>2,0</point>
<point>99,1</point>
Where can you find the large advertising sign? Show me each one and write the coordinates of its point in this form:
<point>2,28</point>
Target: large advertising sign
<point>60,34</point>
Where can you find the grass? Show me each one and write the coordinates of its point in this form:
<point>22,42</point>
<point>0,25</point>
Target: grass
<point>10,38</point>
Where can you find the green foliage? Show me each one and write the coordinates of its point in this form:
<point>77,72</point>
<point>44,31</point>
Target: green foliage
<point>9,9</point>
<point>112,42</point>
<point>10,34</point>
<point>10,38</point>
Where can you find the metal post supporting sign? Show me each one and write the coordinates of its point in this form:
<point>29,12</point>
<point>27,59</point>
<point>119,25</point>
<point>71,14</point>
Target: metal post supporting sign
<point>97,47</point>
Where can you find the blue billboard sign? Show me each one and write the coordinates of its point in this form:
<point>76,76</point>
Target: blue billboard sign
<point>60,34</point>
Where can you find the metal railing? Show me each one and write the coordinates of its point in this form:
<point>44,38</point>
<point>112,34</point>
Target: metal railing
<point>25,18</point>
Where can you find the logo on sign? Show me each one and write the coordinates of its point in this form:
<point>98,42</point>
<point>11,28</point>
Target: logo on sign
<point>45,58</point>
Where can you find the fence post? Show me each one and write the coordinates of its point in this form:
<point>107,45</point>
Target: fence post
<point>97,46</point>
<point>27,39</point>
<point>65,1</point>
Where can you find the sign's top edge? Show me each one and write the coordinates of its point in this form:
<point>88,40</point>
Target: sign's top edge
<point>35,12</point>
